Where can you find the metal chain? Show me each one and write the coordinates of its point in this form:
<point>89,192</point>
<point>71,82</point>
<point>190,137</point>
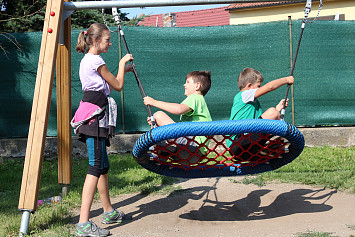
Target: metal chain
<point>104,19</point>
<point>314,20</point>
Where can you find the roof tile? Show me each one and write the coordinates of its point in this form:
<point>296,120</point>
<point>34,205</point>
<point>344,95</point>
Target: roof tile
<point>207,17</point>
<point>253,4</point>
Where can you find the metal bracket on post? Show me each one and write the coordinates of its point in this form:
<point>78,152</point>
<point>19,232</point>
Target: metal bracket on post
<point>308,8</point>
<point>66,14</point>
<point>24,222</point>
<point>115,15</point>
<point>65,190</point>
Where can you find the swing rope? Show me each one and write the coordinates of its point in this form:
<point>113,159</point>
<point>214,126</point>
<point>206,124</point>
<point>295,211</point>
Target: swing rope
<point>307,10</point>
<point>116,17</point>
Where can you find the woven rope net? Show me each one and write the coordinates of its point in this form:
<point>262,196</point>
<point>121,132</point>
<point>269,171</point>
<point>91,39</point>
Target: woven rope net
<point>247,150</point>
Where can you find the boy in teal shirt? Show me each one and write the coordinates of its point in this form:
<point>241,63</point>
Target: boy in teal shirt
<point>246,104</point>
<point>192,109</point>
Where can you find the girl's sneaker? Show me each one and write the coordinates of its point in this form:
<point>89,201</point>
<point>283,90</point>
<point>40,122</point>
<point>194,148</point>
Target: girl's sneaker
<point>116,216</point>
<point>91,229</point>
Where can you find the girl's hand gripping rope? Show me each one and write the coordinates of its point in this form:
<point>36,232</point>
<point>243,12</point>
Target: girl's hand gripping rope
<point>127,58</point>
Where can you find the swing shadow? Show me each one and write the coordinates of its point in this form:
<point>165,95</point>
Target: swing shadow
<point>248,208</point>
<point>174,201</point>
<point>244,209</point>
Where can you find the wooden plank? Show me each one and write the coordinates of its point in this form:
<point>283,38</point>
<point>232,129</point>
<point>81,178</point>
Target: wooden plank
<point>64,107</point>
<point>40,107</point>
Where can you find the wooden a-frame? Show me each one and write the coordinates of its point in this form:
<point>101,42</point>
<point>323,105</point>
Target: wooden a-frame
<point>49,53</point>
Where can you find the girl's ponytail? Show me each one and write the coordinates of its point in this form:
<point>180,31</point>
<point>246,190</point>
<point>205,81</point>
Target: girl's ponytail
<point>81,45</point>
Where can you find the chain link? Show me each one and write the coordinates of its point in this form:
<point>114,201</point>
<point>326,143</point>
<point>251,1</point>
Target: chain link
<point>105,21</point>
<point>314,20</point>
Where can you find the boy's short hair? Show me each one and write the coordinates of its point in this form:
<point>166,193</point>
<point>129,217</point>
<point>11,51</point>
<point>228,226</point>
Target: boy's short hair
<point>249,75</point>
<point>203,77</point>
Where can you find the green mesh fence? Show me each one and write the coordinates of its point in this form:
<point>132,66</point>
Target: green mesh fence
<point>324,74</point>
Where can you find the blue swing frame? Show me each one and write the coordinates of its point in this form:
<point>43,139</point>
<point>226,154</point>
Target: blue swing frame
<point>225,127</point>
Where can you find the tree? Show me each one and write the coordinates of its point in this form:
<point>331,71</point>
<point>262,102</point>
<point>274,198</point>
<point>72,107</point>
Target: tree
<point>22,15</point>
<point>18,16</point>
<point>134,21</point>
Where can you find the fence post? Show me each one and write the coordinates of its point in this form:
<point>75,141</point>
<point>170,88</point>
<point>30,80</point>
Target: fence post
<point>291,62</point>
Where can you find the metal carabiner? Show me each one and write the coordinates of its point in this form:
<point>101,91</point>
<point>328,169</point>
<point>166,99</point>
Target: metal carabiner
<point>308,8</point>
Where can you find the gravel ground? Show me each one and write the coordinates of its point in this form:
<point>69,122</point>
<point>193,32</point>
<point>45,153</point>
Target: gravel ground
<point>213,207</point>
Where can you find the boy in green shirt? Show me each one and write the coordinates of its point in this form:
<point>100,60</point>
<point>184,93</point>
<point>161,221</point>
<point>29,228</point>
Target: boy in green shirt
<point>246,104</point>
<point>192,109</point>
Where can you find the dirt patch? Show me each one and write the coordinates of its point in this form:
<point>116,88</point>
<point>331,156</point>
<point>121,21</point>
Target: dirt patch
<point>213,207</point>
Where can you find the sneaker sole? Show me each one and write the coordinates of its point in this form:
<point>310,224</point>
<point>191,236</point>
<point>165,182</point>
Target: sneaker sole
<point>88,235</point>
<point>111,222</point>
<point>91,235</point>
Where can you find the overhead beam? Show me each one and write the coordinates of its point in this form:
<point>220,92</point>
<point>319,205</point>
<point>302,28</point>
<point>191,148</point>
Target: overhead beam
<point>154,3</point>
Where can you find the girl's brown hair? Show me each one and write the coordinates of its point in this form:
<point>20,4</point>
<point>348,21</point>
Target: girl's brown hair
<point>87,38</point>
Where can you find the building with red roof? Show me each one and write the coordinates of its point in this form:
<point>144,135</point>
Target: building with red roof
<point>207,17</point>
<point>248,13</point>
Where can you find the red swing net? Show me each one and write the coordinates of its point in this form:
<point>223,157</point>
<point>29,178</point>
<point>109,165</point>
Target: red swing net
<point>245,150</point>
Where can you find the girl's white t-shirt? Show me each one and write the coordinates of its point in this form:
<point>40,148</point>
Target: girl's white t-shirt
<point>91,79</point>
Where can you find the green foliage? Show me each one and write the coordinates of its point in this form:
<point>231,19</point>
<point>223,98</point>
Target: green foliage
<point>251,179</point>
<point>327,166</point>
<point>84,18</point>
<point>22,16</point>
<point>134,21</point>
<point>28,16</point>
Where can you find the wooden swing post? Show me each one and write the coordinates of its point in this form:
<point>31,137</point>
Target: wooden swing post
<point>40,111</point>
<point>63,77</point>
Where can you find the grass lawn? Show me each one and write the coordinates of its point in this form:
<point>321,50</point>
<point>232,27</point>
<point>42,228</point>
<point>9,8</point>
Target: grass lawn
<point>327,167</point>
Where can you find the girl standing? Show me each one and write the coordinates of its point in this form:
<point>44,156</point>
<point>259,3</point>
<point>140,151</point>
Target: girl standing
<point>91,123</point>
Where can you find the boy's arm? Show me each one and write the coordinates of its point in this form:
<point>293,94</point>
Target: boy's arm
<point>173,108</point>
<point>273,85</point>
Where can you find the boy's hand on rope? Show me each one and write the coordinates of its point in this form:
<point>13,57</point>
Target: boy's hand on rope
<point>149,120</point>
<point>149,101</point>
<point>280,106</point>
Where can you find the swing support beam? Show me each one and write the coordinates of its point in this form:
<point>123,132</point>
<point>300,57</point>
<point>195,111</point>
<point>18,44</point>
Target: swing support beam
<point>154,3</point>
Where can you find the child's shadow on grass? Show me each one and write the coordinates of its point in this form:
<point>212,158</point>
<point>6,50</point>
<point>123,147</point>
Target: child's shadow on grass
<point>249,208</point>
